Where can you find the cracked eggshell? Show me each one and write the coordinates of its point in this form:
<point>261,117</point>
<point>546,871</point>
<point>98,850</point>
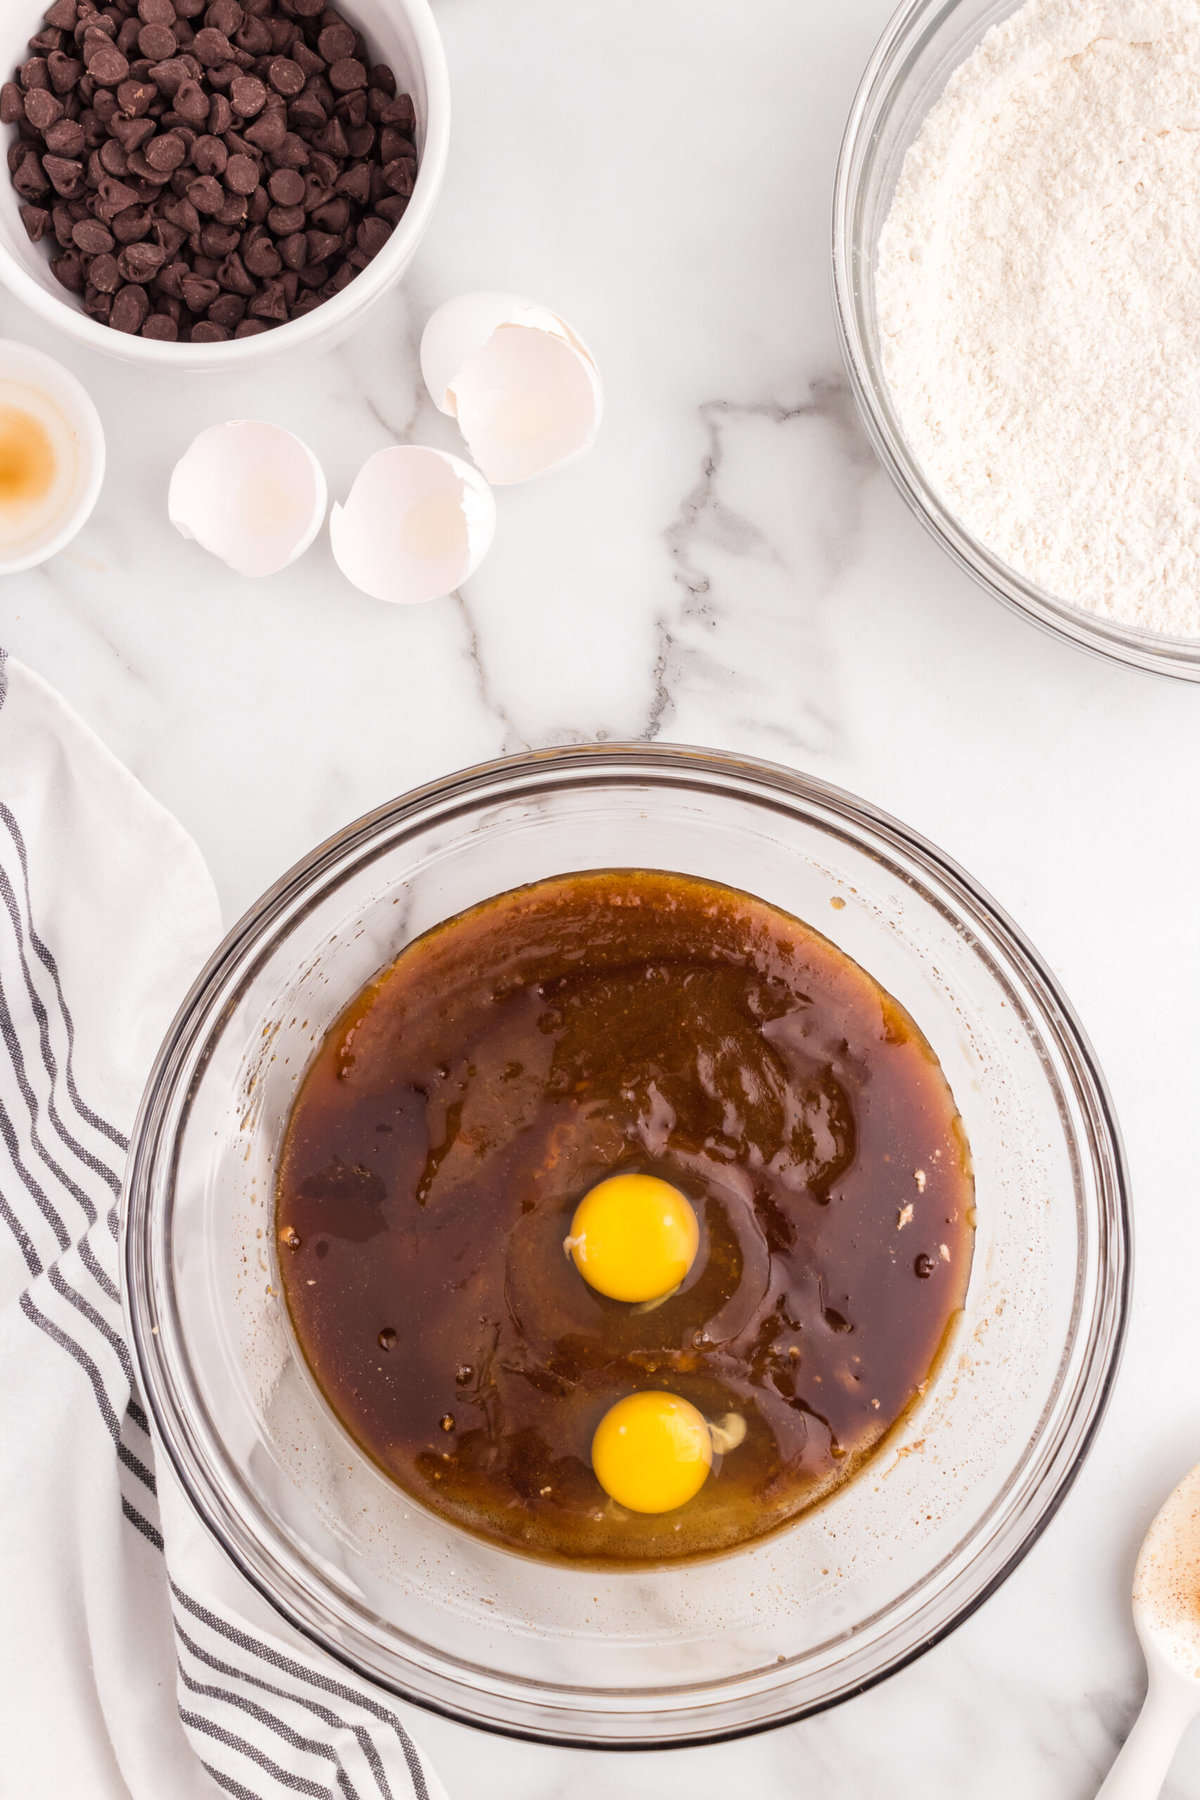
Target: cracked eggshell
<point>251,493</point>
<point>416,524</point>
<point>524,388</point>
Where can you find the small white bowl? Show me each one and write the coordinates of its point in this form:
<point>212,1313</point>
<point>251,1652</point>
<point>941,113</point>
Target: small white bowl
<point>400,33</point>
<point>79,436</point>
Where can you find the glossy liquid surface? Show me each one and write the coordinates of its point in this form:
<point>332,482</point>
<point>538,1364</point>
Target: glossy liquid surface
<point>27,461</point>
<point>518,1054</point>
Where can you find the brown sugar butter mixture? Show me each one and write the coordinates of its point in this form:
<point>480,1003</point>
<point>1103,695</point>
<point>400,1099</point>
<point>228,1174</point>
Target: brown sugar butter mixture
<point>517,1055</point>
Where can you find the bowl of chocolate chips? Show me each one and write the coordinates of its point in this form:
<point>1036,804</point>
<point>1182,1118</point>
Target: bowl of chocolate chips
<point>201,182</point>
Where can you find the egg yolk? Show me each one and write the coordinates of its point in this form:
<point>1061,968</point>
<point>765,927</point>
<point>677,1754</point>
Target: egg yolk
<point>634,1237</point>
<point>652,1452</point>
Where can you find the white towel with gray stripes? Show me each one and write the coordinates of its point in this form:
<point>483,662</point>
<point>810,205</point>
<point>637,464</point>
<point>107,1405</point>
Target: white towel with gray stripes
<point>134,1661</point>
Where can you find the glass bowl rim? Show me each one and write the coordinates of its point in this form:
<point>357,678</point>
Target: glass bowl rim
<point>199,1015</point>
<point>1152,652</point>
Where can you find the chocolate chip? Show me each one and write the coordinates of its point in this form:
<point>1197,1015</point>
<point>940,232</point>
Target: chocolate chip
<point>64,226</point>
<point>130,308</point>
<point>220,115</point>
<point>191,103</point>
<point>218,240</point>
<point>392,207</point>
<point>241,174</point>
<point>170,75</point>
<point>352,108</point>
<point>211,47</point>
<point>63,14</point>
<point>255,37</point>
<point>270,304</point>
<point>68,269</point>
<point>29,178</point>
<point>234,210</point>
<point>64,71</point>
<point>161,327</point>
<point>286,187</point>
<point>227,310</point>
<point>393,145</point>
<point>399,176</point>
<point>132,224</point>
<point>372,234</point>
<point>261,257</point>
<point>334,215</point>
<point>182,213</point>
<point>92,237</point>
<point>12,103</point>
<point>209,155</point>
<point>336,42</point>
<point>205,332</point>
<point>269,130</point>
<point>206,194</point>
<point>331,140</point>
<point>156,12</point>
<point>66,138</point>
<point>34,74</point>
<point>294,249</point>
<point>247,96</point>
<point>198,293</point>
<point>107,65</point>
<point>284,220</point>
<point>286,76</point>
<point>400,113</point>
<point>346,75</point>
<point>293,152</point>
<point>65,174</point>
<point>355,183</point>
<point>322,245</point>
<point>35,219</point>
<point>140,262</point>
<point>166,152</point>
<point>158,42</point>
<point>308,112</point>
<point>136,97</point>
<point>104,274</point>
<point>224,15</point>
<point>233,275</point>
<point>170,237</point>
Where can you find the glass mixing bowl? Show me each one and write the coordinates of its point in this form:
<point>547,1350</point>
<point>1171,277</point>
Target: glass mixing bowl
<point>918,52</point>
<point>662,1656</point>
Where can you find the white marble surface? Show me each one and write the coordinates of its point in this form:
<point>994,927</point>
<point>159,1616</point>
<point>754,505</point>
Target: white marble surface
<point>729,567</point>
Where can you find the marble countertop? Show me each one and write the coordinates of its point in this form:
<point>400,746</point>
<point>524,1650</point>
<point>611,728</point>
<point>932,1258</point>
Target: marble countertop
<point>729,567</point>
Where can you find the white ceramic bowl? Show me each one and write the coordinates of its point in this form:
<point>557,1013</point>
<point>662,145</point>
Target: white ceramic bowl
<point>79,441</point>
<point>401,33</point>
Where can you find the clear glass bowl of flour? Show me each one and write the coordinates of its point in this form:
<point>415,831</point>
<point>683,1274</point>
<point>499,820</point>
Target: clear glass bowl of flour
<point>923,45</point>
<point>653,1656</point>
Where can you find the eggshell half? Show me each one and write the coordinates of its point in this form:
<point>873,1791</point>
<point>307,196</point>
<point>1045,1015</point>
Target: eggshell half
<point>416,524</point>
<point>249,492</point>
<point>523,386</point>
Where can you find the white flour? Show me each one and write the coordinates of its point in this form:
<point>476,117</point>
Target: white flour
<point>1038,290</point>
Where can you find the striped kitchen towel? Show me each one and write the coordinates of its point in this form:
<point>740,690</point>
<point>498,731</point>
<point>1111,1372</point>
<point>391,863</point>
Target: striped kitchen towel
<point>134,1661</point>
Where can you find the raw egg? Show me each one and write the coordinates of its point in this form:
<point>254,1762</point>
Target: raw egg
<point>633,1237</point>
<point>652,1452</point>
